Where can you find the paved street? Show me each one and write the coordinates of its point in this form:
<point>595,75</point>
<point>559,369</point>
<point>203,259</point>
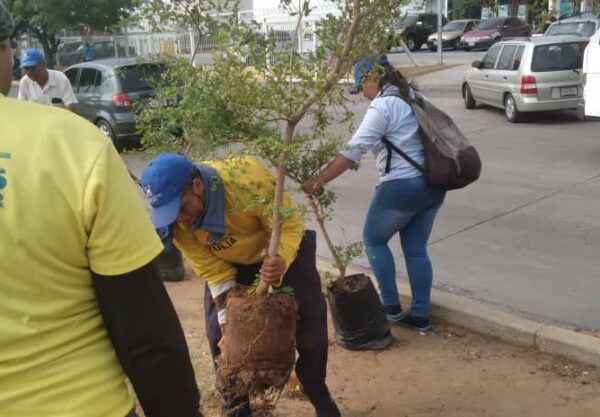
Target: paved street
<point>526,236</point>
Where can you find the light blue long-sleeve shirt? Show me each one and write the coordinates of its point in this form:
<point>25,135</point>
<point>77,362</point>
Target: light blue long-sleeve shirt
<point>393,118</point>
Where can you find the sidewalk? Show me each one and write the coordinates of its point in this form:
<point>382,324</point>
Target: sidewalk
<point>495,322</point>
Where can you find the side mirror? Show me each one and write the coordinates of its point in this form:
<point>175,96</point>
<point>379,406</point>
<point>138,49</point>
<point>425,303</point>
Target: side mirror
<point>476,64</point>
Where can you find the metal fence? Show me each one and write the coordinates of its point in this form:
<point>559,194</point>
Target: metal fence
<point>273,23</point>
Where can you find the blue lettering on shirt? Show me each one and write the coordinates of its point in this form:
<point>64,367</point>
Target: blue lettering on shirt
<point>3,180</point>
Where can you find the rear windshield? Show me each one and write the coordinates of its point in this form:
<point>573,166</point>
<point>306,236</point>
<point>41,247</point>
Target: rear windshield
<point>585,29</point>
<point>490,24</point>
<point>558,57</point>
<point>453,27</point>
<point>139,77</point>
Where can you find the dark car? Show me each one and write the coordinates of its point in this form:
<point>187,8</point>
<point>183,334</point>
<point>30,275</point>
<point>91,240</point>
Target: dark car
<point>106,90</point>
<point>490,31</point>
<point>414,30</point>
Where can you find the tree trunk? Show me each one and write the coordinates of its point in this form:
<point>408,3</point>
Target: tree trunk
<point>288,137</point>
<point>48,42</point>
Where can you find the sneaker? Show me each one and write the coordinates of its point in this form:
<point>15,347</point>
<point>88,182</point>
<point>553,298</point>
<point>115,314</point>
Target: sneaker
<point>419,324</point>
<point>394,313</point>
<point>324,404</point>
<point>354,90</point>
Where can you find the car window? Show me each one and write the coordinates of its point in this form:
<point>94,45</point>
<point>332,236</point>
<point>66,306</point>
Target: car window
<point>558,57</point>
<point>107,83</point>
<point>469,26</point>
<point>87,81</point>
<point>453,27</point>
<point>490,24</point>
<point>505,62</point>
<point>72,76</point>
<point>514,22</point>
<point>518,57</point>
<point>96,89</point>
<point>139,77</point>
<point>490,58</point>
<point>585,29</point>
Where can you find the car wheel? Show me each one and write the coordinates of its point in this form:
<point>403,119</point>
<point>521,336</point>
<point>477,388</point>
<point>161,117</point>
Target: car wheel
<point>410,44</point>
<point>417,46</point>
<point>105,128</point>
<point>467,48</point>
<point>470,102</point>
<point>510,109</point>
<point>433,48</point>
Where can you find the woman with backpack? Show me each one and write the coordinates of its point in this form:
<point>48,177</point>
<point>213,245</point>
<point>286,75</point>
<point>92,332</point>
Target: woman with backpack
<point>403,202</point>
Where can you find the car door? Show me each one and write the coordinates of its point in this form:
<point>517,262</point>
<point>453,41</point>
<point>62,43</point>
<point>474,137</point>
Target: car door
<point>88,90</point>
<point>483,86</point>
<point>504,74</point>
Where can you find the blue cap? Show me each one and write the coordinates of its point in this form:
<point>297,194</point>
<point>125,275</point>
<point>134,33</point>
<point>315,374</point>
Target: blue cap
<point>30,57</point>
<point>163,180</point>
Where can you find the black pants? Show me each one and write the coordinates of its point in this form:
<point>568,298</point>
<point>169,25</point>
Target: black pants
<point>311,333</point>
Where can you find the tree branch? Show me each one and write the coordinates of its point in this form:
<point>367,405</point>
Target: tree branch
<point>335,73</point>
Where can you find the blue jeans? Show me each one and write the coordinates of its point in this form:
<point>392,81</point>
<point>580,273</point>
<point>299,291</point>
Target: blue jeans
<point>407,206</point>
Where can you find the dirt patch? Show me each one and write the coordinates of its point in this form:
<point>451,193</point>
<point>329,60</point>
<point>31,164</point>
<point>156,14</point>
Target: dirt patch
<point>451,372</point>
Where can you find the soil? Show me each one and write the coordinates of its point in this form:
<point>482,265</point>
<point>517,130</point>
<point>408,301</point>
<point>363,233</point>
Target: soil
<point>349,284</point>
<point>259,348</point>
<point>451,372</point>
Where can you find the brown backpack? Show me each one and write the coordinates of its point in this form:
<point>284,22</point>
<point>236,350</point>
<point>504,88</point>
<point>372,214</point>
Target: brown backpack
<point>451,162</point>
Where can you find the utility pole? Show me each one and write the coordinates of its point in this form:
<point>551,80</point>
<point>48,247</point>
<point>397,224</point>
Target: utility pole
<point>439,31</point>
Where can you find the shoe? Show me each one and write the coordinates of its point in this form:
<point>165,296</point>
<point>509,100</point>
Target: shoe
<point>324,404</point>
<point>394,313</point>
<point>236,407</point>
<point>419,324</point>
<point>354,90</point>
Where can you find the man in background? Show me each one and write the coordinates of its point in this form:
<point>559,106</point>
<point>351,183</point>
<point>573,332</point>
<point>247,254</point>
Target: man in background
<point>42,85</point>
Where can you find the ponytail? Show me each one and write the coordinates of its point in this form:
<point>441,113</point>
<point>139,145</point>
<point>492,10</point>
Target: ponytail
<point>394,77</point>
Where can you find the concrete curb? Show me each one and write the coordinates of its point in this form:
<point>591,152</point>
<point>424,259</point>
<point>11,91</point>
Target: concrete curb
<point>492,321</point>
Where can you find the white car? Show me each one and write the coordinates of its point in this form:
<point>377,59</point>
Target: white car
<point>591,77</point>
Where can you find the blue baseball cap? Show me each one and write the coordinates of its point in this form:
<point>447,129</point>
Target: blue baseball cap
<point>30,57</point>
<point>163,180</point>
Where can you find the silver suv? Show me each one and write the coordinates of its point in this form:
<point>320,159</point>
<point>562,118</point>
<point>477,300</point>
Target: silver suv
<point>523,75</point>
<point>584,25</point>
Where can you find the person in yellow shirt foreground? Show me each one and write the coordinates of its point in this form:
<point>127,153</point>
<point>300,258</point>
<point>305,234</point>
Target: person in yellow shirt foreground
<point>81,303</point>
<point>218,215</point>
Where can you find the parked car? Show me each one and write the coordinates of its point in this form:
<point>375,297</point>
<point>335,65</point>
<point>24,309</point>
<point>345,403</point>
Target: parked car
<point>414,30</point>
<point>584,25</point>
<point>451,34</point>
<point>106,91</point>
<point>591,78</point>
<point>527,75</point>
<point>490,31</point>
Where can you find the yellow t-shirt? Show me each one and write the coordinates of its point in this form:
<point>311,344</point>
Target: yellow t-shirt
<point>249,189</point>
<point>67,206</point>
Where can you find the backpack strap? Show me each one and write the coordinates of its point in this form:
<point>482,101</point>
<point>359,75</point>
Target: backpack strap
<point>391,147</point>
